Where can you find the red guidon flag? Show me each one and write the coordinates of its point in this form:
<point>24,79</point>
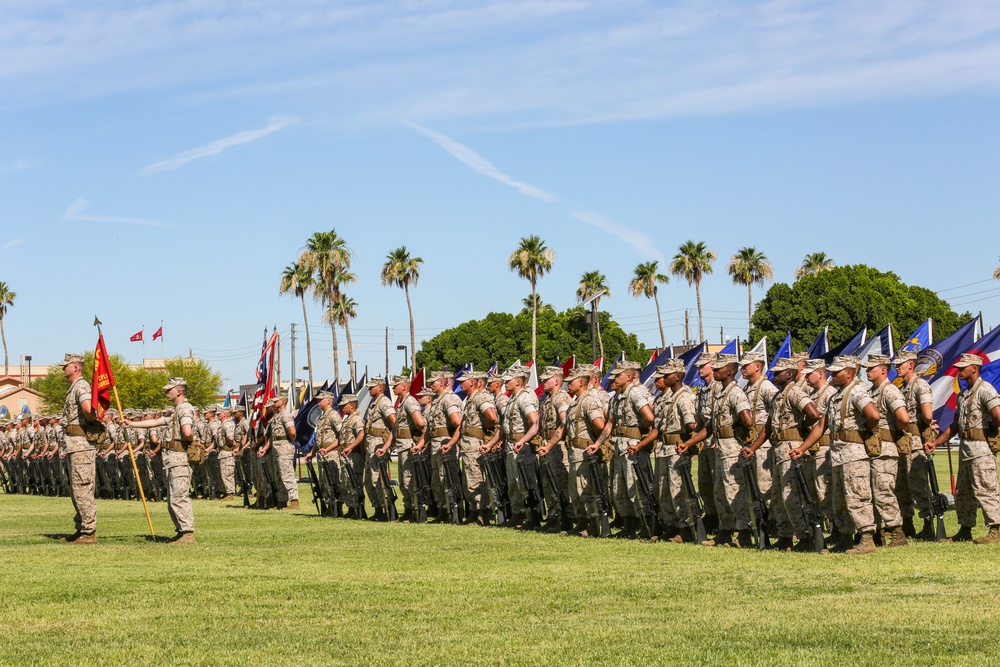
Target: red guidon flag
<point>136,337</point>
<point>157,334</point>
<point>100,396</point>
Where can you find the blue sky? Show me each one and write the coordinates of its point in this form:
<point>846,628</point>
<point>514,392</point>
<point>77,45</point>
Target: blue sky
<point>165,161</point>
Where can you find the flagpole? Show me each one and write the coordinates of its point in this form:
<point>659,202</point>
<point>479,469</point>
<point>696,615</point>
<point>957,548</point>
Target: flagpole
<point>142,338</point>
<point>161,340</point>
<point>131,453</point>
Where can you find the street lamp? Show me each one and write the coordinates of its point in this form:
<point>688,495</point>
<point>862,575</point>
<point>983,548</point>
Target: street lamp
<point>406,363</point>
<point>27,358</point>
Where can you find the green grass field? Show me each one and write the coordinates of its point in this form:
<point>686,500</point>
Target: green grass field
<point>270,588</point>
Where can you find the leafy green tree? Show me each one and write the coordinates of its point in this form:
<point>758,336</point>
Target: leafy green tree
<point>847,298</point>
<point>746,267</point>
<point>7,297</point>
<point>692,261</point>
<point>531,260</point>
<point>814,262</point>
<point>402,270</point>
<point>504,338</point>
<point>137,387</point>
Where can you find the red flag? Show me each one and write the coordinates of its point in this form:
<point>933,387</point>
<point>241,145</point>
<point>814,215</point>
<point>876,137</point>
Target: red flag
<point>569,365</point>
<point>103,380</point>
<point>417,384</point>
<point>136,337</point>
<point>157,334</point>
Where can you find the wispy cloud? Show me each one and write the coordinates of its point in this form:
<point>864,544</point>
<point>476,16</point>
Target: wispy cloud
<point>19,165</point>
<point>477,162</point>
<point>10,244</point>
<point>639,241</point>
<point>77,207</point>
<point>214,148</point>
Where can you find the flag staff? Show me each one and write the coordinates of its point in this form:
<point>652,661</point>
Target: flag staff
<point>161,340</point>
<point>128,441</point>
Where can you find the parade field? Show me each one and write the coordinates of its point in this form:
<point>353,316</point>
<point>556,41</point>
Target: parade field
<point>267,588</point>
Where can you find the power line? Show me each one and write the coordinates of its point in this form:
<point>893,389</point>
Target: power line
<point>978,282</point>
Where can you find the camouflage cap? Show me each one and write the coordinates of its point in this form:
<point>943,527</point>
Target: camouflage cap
<point>842,362</point>
<point>212,407</point>
<point>175,382</point>
<point>903,357</point>
<point>785,364</point>
<point>271,402</point>
<point>579,372</point>
<point>516,372</point>
<point>722,360</point>
<point>441,375</point>
<point>626,365</point>
<point>874,360</point>
<point>396,380</point>
<point>591,369</point>
<point>550,372</point>
<point>706,358</point>
<point>71,358</point>
<point>348,398</point>
<point>751,357</point>
<point>236,408</point>
<point>426,392</point>
<point>799,356</point>
<point>323,394</point>
<point>815,365</point>
<point>377,381</point>
<point>471,375</point>
<point>493,377</point>
<point>670,367</point>
<point>112,412</point>
<point>969,360</point>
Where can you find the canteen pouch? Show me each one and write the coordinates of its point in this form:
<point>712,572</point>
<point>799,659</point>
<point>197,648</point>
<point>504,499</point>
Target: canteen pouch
<point>904,443</point>
<point>993,438</point>
<point>195,453</point>
<point>94,432</point>
<point>873,443</point>
<point>930,434</point>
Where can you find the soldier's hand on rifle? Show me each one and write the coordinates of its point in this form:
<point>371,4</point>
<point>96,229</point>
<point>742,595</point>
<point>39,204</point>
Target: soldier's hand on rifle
<point>929,447</point>
<point>446,447</point>
<point>381,451</point>
<point>593,449</point>
<point>794,454</point>
<point>544,449</point>
<point>681,448</point>
<point>631,450</point>
<point>746,452</point>
<point>517,446</point>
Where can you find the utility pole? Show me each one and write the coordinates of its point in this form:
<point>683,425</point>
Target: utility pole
<point>592,319</point>
<point>722,334</point>
<point>687,327</point>
<point>387,351</point>
<point>294,393</point>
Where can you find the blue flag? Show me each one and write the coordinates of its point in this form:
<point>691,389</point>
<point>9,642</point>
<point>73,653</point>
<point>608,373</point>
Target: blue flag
<point>457,387</point>
<point>850,347</point>
<point>691,376</point>
<point>935,363</point>
<point>784,352</point>
<point>880,343</point>
<point>821,346</point>
<point>646,374</point>
<point>732,347</point>
<point>606,380</point>
<point>918,340</point>
<point>306,419</point>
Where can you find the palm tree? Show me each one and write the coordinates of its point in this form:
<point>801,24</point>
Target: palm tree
<point>644,283</point>
<point>591,283</point>
<point>692,262</point>
<point>7,297</point>
<point>402,270</point>
<point>325,255</point>
<point>535,302</point>
<point>996,274</point>
<point>747,267</point>
<point>298,280</point>
<point>346,311</point>
<point>531,261</point>
<point>814,263</point>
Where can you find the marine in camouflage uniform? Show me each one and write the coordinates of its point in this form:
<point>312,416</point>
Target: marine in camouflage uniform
<point>380,420</point>
<point>479,417</point>
<point>708,451</point>
<point>977,418</point>
<point>792,413</point>
<point>352,452</point>
<point>279,452</point>
<point>327,449</point>
<point>729,424</point>
<point>520,425</point>
<point>213,447</point>
<point>761,392</point>
<point>584,423</point>
<point>893,417</point>
<point>409,426</point>
<point>441,435</point>
<point>818,460</point>
<point>676,418</point>
<point>913,490</point>
<point>552,452</point>
<point>81,453</point>
<point>227,448</point>
<point>630,418</point>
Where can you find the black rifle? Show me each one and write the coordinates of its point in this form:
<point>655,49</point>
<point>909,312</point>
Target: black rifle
<point>562,498</point>
<point>692,499</point>
<point>497,486</point>
<point>4,478</point>
<point>328,470</point>
<point>317,490</point>
<point>106,487</point>
<point>243,480</point>
<point>390,493</point>
<point>423,491</point>
<point>357,492</point>
<point>939,504</point>
<point>527,473</point>
<point>270,495</point>
<point>453,488</point>
<point>644,484</point>
<point>810,508</point>
<point>758,510</point>
<point>211,466</point>
<point>598,486</point>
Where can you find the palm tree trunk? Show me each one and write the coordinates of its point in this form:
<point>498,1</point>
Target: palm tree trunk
<point>347,334</point>
<point>600,341</point>
<point>336,351</point>
<point>309,353</point>
<point>534,319</point>
<point>749,306</point>
<point>701,326</point>
<point>663,339</point>
<point>3,335</point>
<point>413,335</point>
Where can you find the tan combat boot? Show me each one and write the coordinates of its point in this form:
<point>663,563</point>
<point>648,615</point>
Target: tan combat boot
<point>866,546</point>
<point>84,538</point>
<point>991,537</point>
<point>293,505</point>
<point>183,538</point>
<point>897,538</point>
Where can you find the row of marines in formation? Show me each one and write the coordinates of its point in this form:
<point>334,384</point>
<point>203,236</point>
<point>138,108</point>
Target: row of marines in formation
<point>776,460</point>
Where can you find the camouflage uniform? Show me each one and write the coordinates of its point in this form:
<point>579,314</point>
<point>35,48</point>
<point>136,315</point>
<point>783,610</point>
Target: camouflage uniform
<point>730,497</point>
<point>708,455</point>
<point>624,410</point>
<point>404,437</point>
<point>761,395</point>
<point>852,485</point>
<point>227,464</point>
<point>976,485</point>
<point>440,430</point>
<point>673,410</point>
<point>913,490</point>
<point>787,415</point>
<point>327,433</point>
<point>473,413</point>
<point>81,459</point>
<point>820,471</point>
<point>377,431</point>
<point>178,472</point>
<point>515,425</point>
<point>580,434</point>
<point>887,399</point>
<point>352,426</point>
<point>555,460</point>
